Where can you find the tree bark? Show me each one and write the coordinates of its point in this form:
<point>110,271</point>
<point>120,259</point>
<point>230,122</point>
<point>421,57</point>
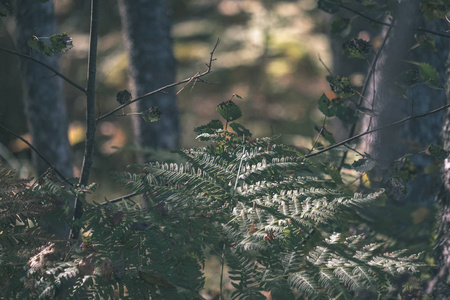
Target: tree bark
<point>439,286</point>
<point>388,145</point>
<point>146,30</point>
<point>43,91</point>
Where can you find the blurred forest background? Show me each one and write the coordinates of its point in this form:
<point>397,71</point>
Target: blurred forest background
<point>268,55</point>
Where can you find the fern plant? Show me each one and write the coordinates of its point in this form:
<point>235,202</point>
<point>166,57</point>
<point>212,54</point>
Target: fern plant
<point>271,214</point>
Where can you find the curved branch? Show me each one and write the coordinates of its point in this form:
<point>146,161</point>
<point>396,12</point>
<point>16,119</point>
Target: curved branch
<point>46,66</point>
<point>38,154</point>
<point>378,129</point>
<point>195,77</point>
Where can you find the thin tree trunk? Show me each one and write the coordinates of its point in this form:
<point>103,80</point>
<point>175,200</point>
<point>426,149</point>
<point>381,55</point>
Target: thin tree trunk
<point>439,286</point>
<point>45,107</point>
<point>146,30</point>
<point>388,145</point>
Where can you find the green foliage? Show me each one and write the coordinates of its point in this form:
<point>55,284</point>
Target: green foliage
<point>357,48</point>
<point>270,212</point>
<point>229,111</point>
<point>341,86</point>
<point>59,43</point>
<point>340,27</point>
<point>152,114</point>
<point>430,76</point>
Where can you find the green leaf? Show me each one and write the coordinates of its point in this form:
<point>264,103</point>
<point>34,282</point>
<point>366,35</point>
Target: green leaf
<point>5,8</point>
<point>326,134</point>
<point>432,9</point>
<point>430,76</point>
<point>40,46</point>
<point>240,130</point>
<point>209,128</point>
<point>408,78</point>
<point>438,152</point>
<point>341,86</point>
<point>426,41</point>
<point>346,114</point>
<point>329,6</point>
<point>325,106</point>
<point>61,42</point>
<point>335,174</point>
<point>123,97</point>
<point>357,48</point>
<point>340,27</point>
<point>152,114</point>
<point>229,111</point>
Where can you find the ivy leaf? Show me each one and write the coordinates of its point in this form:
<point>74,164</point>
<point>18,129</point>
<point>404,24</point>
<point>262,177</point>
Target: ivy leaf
<point>61,42</point>
<point>123,97</point>
<point>438,152</point>
<point>340,26</point>
<point>326,134</point>
<point>209,128</point>
<point>430,76</point>
<point>329,6</point>
<point>229,111</point>
<point>152,114</point>
<point>325,106</point>
<point>341,86</point>
<point>357,48</point>
<point>5,8</point>
<point>40,46</point>
<point>426,41</point>
<point>240,130</point>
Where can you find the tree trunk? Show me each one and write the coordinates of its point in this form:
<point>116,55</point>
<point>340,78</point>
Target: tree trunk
<point>388,145</point>
<point>146,30</point>
<point>439,286</point>
<point>43,91</point>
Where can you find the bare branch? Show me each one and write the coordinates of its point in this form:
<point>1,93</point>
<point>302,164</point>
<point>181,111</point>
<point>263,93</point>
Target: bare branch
<point>378,129</point>
<point>46,66</point>
<point>38,154</point>
<point>195,77</point>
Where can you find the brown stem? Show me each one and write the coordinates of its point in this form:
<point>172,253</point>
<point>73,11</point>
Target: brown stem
<point>90,107</point>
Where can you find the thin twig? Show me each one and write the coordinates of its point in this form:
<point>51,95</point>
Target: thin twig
<point>318,135</point>
<point>389,24</point>
<point>378,129</point>
<point>195,77</point>
<point>38,154</point>
<point>118,199</point>
<point>46,66</point>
